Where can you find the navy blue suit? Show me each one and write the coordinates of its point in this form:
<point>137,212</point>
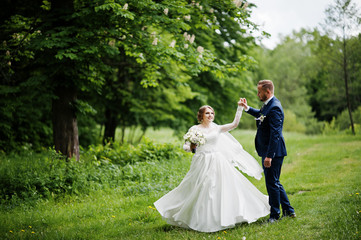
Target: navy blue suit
<point>270,143</point>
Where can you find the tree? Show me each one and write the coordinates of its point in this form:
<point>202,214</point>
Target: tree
<point>128,105</point>
<point>24,104</point>
<point>230,40</point>
<point>290,65</point>
<point>342,19</point>
<point>66,47</point>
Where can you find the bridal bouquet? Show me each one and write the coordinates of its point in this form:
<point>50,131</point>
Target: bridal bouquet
<point>195,137</point>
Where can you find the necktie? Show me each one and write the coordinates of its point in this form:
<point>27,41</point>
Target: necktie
<point>262,107</point>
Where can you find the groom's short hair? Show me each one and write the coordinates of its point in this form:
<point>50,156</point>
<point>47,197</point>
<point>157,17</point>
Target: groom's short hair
<point>266,84</point>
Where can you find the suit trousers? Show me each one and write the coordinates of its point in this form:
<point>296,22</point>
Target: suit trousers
<point>276,192</point>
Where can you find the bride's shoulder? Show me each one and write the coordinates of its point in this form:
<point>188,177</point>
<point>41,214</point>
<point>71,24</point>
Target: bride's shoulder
<point>197,128</point>
<point>194,127</point>
<point>212,127</point>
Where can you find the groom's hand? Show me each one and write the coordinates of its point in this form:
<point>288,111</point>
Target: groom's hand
<point>267,162</point>
<point>243,103</point>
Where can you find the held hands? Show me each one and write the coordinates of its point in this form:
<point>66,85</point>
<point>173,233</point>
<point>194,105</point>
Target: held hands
<point>243,102</point>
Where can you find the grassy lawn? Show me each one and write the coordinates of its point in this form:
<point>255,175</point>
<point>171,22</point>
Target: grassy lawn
<point>321,175</point>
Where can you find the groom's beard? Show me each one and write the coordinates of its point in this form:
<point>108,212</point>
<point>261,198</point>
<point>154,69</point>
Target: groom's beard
<point>263,98</point>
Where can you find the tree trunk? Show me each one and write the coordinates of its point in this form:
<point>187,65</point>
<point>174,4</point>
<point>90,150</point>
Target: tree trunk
<point>123,134</point>
<point>141,135</point>
<point>132,130</point>
<point>110,126</point>
<point>345,75</point>
<point>65,126</point>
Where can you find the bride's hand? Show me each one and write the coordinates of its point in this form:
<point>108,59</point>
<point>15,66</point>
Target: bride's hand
<point>243,102</point>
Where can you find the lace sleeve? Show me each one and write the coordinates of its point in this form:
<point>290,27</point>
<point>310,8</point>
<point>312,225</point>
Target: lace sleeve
<point>234,124</point>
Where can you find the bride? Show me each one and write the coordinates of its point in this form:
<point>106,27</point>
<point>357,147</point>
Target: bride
<point>214,195</point>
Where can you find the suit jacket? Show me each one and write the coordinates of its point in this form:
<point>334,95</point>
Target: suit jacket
<point>269,138</point>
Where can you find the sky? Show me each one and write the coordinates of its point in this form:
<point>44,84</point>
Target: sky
<point>283,16</point>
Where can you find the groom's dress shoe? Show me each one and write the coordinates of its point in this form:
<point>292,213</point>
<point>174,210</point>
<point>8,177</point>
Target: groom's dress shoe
<point>292,215</point>
<point>272,220</point>
<point>287,214</point>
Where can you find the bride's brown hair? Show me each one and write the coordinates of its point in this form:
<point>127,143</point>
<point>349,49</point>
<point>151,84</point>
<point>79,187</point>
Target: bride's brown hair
<point>201,112</point>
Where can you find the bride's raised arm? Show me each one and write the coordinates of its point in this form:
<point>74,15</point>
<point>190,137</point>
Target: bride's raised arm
<point>234,124</point>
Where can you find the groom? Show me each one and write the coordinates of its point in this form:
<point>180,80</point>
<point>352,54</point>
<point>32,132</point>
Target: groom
<point>270,145</point>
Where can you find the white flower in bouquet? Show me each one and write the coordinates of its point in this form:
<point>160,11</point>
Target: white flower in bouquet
<point>195,137</point>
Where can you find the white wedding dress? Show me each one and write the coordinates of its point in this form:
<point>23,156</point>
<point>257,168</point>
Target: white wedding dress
<point>214,195</point>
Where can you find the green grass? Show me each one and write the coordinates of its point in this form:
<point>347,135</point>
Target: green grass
<point>321,175</point>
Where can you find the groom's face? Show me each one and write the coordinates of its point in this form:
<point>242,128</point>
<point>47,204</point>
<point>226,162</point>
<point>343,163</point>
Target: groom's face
<point>262,93</point>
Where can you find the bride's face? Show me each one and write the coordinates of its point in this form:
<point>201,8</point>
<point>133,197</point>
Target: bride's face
<point>208,116</point>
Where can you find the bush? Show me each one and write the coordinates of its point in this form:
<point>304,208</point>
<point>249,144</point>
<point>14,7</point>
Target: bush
<point>331,127</point>
<point>342,122</point>
<point>305,124</point>
<point>292,124</point>
<point>313,126</point>
<point>88,131</point>
<point>28,175</point>
<point>128,154</point>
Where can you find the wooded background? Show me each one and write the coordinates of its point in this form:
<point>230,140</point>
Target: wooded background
<point>75,71</point>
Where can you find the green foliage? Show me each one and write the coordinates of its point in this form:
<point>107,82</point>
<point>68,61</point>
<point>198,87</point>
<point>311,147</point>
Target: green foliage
<point>292,124</point>
<point>313,126</point>
<point>128,154</point>
<point>290,66</point>
<point>21,123</point>
<point>308,77</point>
<point>113,54</point>
<point>327,86</point>
<point>24,96</point>
<point>338,79</point>
<point>331,127</point>
<point>342,122</point>
<point>321,175</point>
<point>28,175</point>
<point>181,88</point>
<point>89,131</point>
